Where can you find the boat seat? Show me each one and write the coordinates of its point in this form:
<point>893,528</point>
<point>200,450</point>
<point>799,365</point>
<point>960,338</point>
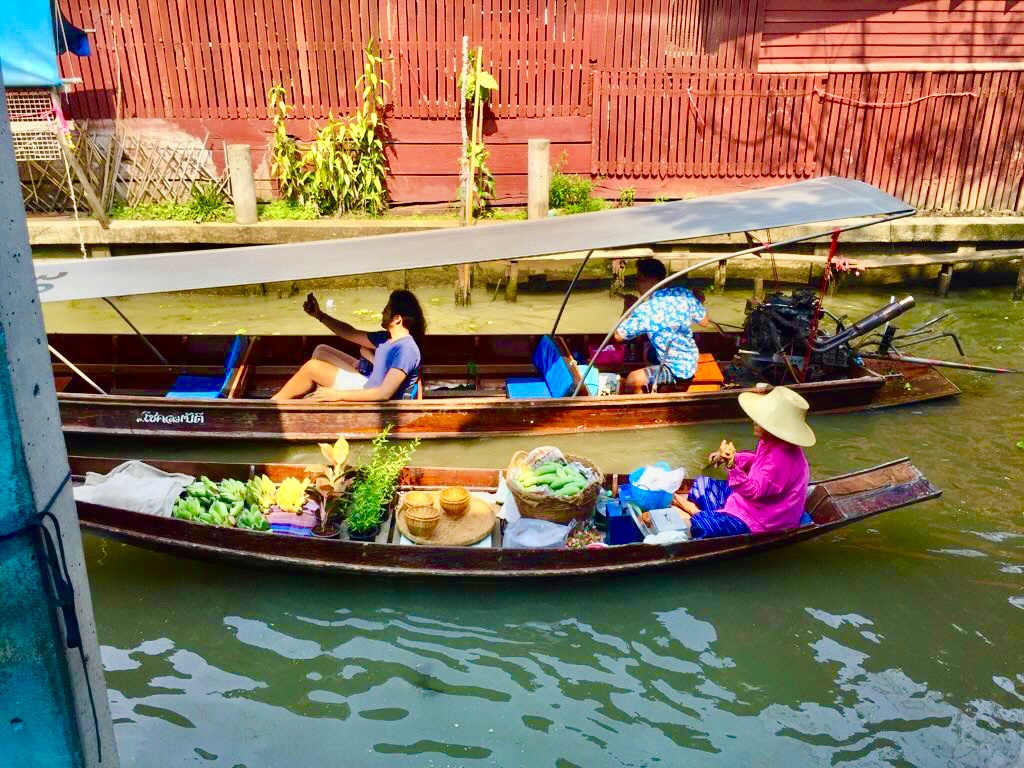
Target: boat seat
<point>556,376</point>
<point>708,378</point>
<point>188,386</point>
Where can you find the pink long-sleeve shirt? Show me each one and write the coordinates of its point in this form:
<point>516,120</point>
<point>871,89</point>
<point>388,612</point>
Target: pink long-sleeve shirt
<point>769,485</point>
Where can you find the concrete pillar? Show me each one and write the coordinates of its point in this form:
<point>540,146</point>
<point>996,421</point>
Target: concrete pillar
<point>45,712</point>
<point>539,180</point>
<point>464,290</point>
<point>243,185</point>
<point>1018,292</point>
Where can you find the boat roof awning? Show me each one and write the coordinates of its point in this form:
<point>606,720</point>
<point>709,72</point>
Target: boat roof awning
<point>32,34</point>
<point>804,202</point>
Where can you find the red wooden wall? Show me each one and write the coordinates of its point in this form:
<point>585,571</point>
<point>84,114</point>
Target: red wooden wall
<point>841,32</point>
<point>670,97</point>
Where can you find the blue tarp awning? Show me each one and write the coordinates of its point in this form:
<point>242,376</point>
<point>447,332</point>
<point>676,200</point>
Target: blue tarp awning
<point>30,38</point>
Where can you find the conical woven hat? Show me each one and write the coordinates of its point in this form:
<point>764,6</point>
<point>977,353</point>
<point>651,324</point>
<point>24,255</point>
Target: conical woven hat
<point>782,413</point>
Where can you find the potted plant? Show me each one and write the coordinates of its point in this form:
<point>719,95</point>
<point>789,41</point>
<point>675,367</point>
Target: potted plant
<point>330,482</point>
<point>374,486</point>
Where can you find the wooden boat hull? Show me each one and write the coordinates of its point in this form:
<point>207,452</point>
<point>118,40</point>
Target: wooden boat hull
<point>833,503</point>
<point>878,384</point>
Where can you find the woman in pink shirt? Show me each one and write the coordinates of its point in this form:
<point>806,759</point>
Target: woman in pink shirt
<point>767,487</point>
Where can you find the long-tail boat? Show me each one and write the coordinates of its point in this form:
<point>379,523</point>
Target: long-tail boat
<point>118,385</point>
<point>831,503</point>
<point>464,390</point>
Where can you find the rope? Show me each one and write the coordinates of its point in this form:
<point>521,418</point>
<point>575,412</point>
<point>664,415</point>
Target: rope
<point>821,92</point>
<point>826,277</point>
<point>63,593</point>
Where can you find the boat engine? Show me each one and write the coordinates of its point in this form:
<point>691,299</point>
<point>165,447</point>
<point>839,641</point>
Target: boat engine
<point>777,336</point>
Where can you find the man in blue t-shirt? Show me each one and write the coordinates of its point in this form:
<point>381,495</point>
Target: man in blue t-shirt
<point>665,318</point>
<point>389,362</point>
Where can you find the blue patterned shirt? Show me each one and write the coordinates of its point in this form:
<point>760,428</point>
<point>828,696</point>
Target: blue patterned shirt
<point>666,318</point>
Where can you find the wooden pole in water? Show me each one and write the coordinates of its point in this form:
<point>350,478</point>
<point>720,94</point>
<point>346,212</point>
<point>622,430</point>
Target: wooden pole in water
<point>1018,292</point>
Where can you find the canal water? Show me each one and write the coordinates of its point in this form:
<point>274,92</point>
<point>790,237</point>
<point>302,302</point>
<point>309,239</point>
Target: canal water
<point>896,642</point>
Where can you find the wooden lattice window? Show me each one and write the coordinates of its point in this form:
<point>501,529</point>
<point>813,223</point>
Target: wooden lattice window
<point>694,27</point>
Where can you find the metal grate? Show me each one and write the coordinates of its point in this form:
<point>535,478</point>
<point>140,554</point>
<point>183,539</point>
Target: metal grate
<point>34,123</point>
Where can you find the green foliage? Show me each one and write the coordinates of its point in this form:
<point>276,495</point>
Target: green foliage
<point>482,183</point>
<point>488,83</point>
<point>207,204</point>
<point>344,169</point>
<point>570,193</point>
<point>378,478</point>
<point>287,210</point>
<point>1020,444</point>
<point>660,199</point>
<point>627,196</point>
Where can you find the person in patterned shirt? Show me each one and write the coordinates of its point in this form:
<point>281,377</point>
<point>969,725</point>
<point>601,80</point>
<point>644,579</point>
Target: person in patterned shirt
<point>665,318</point>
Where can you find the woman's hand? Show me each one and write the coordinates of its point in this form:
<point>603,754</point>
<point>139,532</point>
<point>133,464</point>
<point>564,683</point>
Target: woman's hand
<point>725,454</point>
<point>325,395</point>
<point>311,306</point>
<point>680,501</point>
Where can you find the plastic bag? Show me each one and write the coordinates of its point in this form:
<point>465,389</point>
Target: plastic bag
<point>660,477</point>
<point>532,533</point>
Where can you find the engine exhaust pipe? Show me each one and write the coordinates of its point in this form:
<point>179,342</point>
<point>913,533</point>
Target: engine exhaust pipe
<point>880,317</point>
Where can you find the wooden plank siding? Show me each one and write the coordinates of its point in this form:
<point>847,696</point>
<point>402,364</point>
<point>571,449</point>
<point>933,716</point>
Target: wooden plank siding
<point>836,32</point>
<point>669,97</point>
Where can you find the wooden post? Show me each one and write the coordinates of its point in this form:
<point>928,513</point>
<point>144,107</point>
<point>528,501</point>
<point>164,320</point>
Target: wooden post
<point>720,276</point>
<point>512,281</point>
<point>243,185</point>
<point>93,199</point>
<point>758,289</point>
<point>464,291</point>
<point>539,178</point>
<point>1018,292</point>
<point>945,280</point>
<point>618,277</point>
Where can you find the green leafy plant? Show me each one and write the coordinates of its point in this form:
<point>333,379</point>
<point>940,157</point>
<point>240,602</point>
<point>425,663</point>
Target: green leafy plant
<point>1020,444</point>
<point>627,196</point>
<point>344,169</point>
<point>378,477</point>
<point>570,193</point>
<point>660,199</point>
<point>477,86</point>
<point>207,203</point>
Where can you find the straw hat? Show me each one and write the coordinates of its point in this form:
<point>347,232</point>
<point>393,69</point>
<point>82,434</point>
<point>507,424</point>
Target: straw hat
<point>782,413</point>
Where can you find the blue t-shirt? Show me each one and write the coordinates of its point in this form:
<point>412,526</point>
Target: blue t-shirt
<point>403,354</point>
<point>666,318</point>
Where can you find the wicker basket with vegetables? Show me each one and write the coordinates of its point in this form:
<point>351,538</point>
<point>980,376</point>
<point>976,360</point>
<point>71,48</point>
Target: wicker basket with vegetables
<point>549,485</point>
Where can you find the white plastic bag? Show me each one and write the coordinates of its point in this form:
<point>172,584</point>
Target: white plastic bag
<point>531,533</point>
<point>660,479</point>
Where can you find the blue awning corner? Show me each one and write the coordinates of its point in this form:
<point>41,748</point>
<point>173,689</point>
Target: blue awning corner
<point>32,34</point>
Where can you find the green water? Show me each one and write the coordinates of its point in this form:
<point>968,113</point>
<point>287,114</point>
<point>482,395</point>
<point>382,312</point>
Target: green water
<point>897,642</point>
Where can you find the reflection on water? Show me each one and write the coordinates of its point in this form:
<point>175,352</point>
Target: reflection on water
<point>896,642</point>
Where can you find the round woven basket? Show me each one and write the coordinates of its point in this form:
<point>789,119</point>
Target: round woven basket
<point>556,509</point>
<point>454,500</point>
<point>421,515</point>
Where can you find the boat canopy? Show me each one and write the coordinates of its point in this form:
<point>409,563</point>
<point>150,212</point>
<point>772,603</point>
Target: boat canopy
<point>32,34</point>
<point>803,202</point>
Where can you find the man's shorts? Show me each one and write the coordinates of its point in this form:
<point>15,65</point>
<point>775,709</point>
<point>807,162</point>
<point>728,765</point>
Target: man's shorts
<point>662,375</point>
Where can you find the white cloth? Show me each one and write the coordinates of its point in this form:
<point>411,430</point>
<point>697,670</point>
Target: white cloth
<point>348,380</point>
<point>134,486</point>
<point>667,537</point>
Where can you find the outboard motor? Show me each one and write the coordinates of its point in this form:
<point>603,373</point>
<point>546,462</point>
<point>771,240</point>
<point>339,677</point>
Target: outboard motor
<point>777,335</point>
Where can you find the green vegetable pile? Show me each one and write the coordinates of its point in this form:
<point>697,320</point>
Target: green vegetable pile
<point>557,477</point>
<point>228,504</point>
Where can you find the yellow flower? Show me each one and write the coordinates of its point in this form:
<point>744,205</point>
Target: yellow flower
<point>336,454</point>
<point>291,494</point>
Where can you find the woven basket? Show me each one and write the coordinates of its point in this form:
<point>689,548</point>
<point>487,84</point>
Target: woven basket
<point>556,509</point>
<point>421,515</point>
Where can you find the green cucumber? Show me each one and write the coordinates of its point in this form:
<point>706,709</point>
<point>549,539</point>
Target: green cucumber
<point>546,469</point>
<point>570,489</point>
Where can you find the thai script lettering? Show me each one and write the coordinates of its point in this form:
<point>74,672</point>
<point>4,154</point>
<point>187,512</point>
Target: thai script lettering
<point>155,417</point>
